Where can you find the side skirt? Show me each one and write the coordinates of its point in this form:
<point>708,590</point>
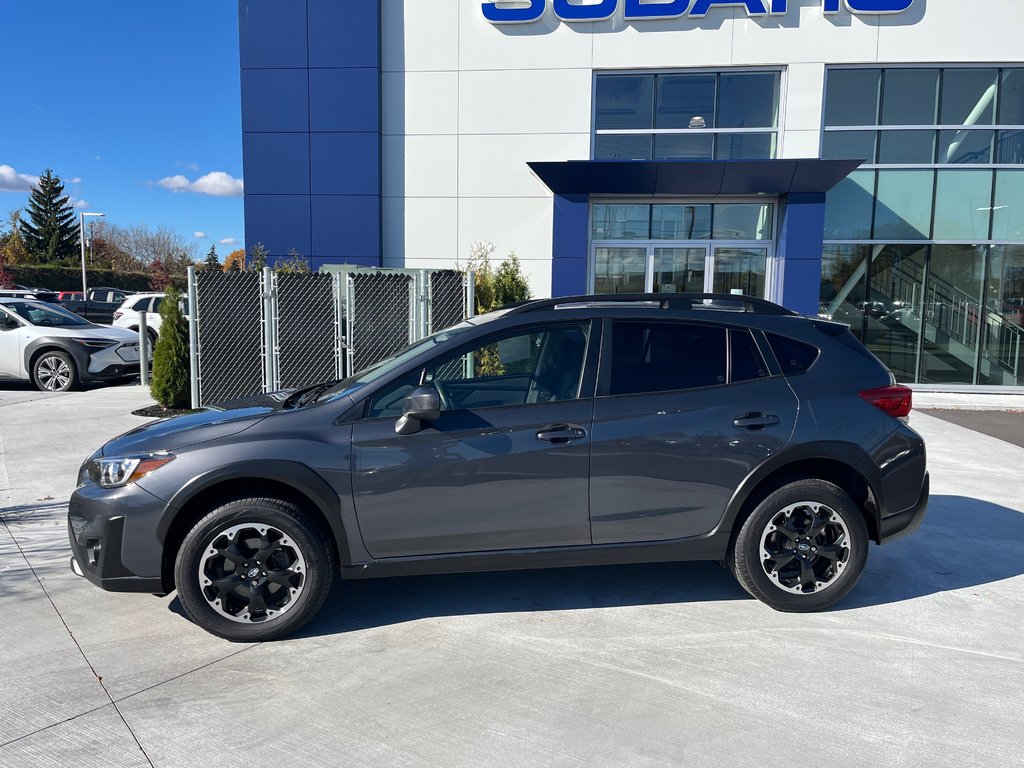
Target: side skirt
<point>710,547</point>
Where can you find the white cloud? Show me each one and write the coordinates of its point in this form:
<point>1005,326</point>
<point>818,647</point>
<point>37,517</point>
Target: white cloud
<point>78,202</point>
<point>13,181</point>
<point>228,241</point>
<point>76,180</point>
<point>199,235</point>
<point>217,183</point>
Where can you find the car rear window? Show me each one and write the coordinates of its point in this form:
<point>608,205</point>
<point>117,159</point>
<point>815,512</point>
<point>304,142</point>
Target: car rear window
<point>794,356</point>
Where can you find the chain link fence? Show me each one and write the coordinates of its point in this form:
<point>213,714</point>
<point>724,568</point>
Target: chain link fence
<point>264,332</point>
<point>228,315</point>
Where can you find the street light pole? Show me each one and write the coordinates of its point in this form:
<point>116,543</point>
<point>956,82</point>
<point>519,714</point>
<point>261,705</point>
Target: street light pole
<point>81,240</point>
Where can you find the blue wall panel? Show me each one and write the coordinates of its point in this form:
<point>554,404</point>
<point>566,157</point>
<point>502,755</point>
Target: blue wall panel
<point>275,164</point>
<point>331,41</point>
<point>275,100</point>
<point>798,250</point>
<point>569,242</point>
<point>344,163</point>
<point>284,222</point>
<point>344,99</point>
<point>346,226</point>
<point>272,33</point>
<point>311,127</point>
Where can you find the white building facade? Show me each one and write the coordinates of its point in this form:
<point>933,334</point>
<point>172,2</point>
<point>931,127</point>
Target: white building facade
<point>862,160</point>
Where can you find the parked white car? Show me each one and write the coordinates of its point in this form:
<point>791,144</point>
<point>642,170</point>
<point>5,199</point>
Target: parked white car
<point>57,350</point>
<point>127,315</point>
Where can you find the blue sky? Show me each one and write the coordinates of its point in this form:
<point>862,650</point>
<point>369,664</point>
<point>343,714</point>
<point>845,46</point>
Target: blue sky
<point>130,100</point>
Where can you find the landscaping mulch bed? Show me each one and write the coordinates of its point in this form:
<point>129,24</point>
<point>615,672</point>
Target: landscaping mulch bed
<point>159,412</point>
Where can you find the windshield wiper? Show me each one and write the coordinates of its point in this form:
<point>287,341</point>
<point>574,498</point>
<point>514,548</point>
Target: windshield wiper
<point>303,396</point>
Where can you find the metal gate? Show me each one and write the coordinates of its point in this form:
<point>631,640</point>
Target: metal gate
<point>253,332</point>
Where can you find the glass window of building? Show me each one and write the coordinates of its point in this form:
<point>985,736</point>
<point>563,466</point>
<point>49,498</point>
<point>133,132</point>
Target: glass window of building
<point>686,115</point>
<point>936,143</point>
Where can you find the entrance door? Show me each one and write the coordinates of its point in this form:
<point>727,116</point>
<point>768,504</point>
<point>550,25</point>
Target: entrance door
<point>620,270</point>
<point>679,270</point>
<point>739,270</point>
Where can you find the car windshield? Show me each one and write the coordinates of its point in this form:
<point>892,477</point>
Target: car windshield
<point>384,367</point>
<point>45,314</point>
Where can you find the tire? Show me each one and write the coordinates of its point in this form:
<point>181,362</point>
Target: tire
<point>267,603</point>
<point>55,371</point>
<point>819,540</point>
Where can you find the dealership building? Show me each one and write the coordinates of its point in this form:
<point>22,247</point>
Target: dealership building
<point>862,160</point>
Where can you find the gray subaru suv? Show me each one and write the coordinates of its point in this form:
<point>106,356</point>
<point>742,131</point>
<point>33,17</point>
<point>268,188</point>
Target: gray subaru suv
<point>561,432</point>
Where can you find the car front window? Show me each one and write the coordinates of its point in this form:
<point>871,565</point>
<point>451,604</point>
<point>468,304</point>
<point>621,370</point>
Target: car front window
<point>45,315</point>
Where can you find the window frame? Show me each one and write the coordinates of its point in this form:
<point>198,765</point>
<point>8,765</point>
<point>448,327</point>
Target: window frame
<point>776,132</point>
<point>588,379</point>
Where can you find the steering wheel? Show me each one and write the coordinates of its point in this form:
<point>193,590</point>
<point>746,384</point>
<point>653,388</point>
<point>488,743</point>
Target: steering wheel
<point>442,395</point>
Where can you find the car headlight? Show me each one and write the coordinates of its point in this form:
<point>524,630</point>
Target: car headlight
<point>96,343</point>
<point>118,471</point>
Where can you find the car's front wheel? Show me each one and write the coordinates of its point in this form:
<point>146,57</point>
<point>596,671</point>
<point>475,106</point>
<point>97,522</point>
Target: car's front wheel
<point>803,548</point>
<point>254,569</point>
<point>55,371</point>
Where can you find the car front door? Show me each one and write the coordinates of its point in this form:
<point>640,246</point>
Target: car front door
<point>11,346</point>
<point>506,465</point>
<point>685,411</point>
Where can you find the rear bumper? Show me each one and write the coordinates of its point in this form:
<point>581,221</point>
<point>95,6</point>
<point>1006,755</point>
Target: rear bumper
<point>909,520</point>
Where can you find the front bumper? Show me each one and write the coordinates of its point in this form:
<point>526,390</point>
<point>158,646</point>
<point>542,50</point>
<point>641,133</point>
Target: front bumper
<point>112,363</point>
<point>104,525</point>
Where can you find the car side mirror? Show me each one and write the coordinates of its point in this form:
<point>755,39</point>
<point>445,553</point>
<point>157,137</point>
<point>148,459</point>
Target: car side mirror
<point>423,404</point>
<point>7,323</point>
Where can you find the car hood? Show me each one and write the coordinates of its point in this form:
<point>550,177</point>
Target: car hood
<point>188,429</point>
<point>87,332</point>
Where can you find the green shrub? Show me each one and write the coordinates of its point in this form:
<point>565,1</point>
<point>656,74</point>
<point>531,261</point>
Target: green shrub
<point>170,385</point>
<point>510,284</point>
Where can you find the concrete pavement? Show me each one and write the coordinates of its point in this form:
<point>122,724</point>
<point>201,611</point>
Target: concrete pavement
<point>623,666</point>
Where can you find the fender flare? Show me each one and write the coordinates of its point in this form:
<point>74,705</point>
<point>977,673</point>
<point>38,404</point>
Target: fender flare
<point>848,454</point>
<point>290,473</point>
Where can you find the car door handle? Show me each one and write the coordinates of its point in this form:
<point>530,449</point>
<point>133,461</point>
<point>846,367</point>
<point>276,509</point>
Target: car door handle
<point>561,433</point>
<point>756,420</point>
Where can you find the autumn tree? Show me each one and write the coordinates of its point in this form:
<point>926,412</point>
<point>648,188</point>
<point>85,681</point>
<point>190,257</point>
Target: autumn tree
<point>13,249</point>
<point>51,234</point>
<point>235,260</point>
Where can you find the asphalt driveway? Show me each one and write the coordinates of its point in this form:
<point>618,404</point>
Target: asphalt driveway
<point>619,666</point>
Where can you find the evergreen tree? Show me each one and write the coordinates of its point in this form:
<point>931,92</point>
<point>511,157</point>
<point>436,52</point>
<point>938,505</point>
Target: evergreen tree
<point>212,261</point>
<point>171,386</point>
<point>52,235</point>
<point>259,258</point>
<point>510,284</point>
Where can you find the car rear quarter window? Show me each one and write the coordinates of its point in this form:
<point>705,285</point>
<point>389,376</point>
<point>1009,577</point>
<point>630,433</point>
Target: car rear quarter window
<point>142,305</point>
<point>794,356</point>
<point>665,356</point>
<point>745,357</point>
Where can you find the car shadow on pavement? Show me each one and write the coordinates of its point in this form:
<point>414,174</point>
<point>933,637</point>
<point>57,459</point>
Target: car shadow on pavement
<point>365,603</point>
<point>962,543</point>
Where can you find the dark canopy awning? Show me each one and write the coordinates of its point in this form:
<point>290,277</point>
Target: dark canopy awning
<point>692,177</point>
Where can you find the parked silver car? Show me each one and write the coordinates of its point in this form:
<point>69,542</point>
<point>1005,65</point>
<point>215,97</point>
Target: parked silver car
<point>57,350</point>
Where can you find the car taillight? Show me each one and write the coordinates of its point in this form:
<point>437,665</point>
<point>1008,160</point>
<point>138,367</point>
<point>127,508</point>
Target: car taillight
<point>118,315</point>
<point>895,400</point>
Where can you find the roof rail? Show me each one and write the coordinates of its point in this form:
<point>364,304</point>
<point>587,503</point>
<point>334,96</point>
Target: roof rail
<point>684,301</point>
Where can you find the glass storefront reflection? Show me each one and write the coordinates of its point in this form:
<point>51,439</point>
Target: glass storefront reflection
<point>1002,360</point>
<point>950,314</point>
<point>619,270</point>
<point>740,270</point>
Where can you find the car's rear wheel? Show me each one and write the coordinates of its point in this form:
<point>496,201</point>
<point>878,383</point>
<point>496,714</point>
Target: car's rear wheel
<point>55,371</point>
<point>253,570</point>
<point>803,548</point>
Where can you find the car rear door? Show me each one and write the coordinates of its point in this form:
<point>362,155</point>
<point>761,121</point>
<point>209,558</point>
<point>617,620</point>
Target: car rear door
<point>12,342</point>
<point>686,410</point>
<point>506,466</point>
